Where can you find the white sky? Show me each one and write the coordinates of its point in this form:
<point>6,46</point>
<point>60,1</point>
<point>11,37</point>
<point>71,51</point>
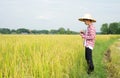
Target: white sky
<point>53,14</point>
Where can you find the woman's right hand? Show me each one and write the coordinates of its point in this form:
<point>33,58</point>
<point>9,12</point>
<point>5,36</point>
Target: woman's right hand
<point>82,32</point>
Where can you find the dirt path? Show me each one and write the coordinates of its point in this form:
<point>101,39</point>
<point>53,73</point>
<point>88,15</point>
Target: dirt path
<point>112,60</point>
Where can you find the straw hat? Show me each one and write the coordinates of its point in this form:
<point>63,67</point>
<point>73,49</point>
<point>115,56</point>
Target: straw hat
<point>88,17</point>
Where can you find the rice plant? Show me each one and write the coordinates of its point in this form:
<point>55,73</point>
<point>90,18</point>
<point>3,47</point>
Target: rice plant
<point>47,56</point>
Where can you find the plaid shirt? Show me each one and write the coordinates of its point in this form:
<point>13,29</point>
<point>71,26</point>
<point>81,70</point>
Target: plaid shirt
<point>89,37</point>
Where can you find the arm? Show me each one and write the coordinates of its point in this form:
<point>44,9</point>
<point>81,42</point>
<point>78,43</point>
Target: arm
<point>91,35</point>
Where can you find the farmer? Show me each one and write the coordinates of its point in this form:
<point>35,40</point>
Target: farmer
<point>89,40</point>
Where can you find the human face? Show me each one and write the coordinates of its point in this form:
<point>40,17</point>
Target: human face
<point>87,22</point>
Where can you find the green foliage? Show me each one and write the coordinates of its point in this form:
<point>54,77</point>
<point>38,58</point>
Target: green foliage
<point>112,28</point>
<point>53,31</point>
<point>5,31</point>
<point>118,30</point>
<point>39,31</point>
<point>104,28</point>
<point>13,31</point>
<point>27,31</point>
<point>61,30</point>
<point>22,31</point>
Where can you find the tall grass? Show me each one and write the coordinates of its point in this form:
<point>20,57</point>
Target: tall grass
<point>113,66</point>
<point>49,56</point>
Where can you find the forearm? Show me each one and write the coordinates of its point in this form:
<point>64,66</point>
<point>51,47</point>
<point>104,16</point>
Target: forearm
<point>91,36</point>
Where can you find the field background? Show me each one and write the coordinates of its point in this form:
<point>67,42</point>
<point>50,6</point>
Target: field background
<point>50,56</point>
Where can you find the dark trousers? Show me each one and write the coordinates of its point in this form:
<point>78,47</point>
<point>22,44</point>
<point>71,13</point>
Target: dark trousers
<point>88,57</point>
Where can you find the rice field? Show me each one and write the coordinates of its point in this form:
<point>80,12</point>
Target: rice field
<point>50,56</point>
<point>113,66</point>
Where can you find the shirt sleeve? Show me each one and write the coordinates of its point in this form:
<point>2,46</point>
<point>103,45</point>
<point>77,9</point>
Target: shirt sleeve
<point>91,35</point>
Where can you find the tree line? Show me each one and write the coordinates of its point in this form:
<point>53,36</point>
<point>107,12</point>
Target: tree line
<point>61,30</point>
<point>112,28</point>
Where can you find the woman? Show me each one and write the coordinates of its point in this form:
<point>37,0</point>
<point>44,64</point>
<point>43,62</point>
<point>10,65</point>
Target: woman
<point>89,40</point>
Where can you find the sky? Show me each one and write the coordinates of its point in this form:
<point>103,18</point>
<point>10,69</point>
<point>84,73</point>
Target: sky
<point>53,14</point>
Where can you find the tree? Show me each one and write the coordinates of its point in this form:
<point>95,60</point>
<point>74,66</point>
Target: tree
<point>104,29</point>
<point>68,31</point>
<point>5,31</point>
<point>61,30</point>
<point>13,31</point>
<point>118,30</point>
<point>43,32</point>
<point>22,30</point>
<point>34,31</point>
<point>113,27</point>
<point>53,31</point>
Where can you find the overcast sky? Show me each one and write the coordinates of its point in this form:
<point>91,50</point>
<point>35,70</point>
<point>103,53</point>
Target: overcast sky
<point>52,14</point>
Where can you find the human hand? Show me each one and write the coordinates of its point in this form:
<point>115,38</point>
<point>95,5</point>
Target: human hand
<point>82,32</point>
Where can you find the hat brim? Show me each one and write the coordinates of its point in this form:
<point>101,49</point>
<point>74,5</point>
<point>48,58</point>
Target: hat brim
<point>83,19</point>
